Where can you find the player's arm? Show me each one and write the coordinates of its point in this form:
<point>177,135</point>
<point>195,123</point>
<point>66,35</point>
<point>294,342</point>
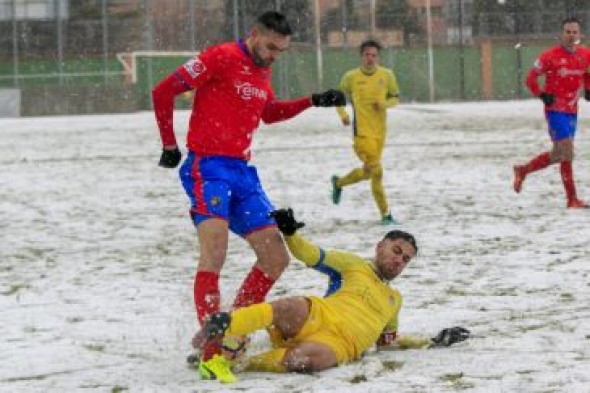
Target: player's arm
<point>532,81</point>
<point>390,339</point>
<point>392,97</point>
<point>163,100</point>
<point>587,76</point>
<point>193,74</point>
<point>275,111</point>
<point>282,110</point>
<point>305,251</point>
<point>344,86</point>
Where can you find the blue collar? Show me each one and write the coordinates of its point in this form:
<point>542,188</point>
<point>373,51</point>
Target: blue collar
<point>244,47</point>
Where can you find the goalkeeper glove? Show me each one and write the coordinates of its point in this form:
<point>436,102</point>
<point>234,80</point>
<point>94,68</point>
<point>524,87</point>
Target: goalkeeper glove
<point>170,158</point>
<point>286,221</point>
<point>548,99</point>
<point>330,97</point>
<point>450,336</point>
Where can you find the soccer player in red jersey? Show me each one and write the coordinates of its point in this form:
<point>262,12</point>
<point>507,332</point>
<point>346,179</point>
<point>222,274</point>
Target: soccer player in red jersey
<point>566,70</point>
<point>233,93</point>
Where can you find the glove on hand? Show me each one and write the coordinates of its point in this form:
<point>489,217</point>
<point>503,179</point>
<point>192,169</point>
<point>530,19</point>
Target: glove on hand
<point>170,158</point>
<point>587,95</point>
<point>330,97</point>
<point>286,221</point>
<point>450,336</point>
<point>548,99</point>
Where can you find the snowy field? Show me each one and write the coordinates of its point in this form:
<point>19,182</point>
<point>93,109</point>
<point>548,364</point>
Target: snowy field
<point>97,253</point>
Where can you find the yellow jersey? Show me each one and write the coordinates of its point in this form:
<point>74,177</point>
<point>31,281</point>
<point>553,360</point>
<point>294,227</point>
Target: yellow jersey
<point>364,305</point>
<point>366,88</point>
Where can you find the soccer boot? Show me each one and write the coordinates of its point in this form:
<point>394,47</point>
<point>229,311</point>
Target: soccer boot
<point>519,175</point>
<point>336,191</point>
<point>216,324</point>
<point>389,220</point>
<point>218,367</point>
<point>577,204</point>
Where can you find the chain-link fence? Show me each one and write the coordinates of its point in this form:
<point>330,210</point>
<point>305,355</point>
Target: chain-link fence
<point>106,55</point>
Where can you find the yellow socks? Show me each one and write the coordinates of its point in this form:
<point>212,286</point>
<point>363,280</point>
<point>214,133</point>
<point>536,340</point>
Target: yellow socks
<point>249,319</point>
<point>378,191</point>
<point>270,361</point>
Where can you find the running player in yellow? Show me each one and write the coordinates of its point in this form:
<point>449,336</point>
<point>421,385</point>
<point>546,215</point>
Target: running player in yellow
<point>311,333</point>
<point>372,89</point>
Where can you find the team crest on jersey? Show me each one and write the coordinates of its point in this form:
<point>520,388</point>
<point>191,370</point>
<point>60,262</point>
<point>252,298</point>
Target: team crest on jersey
<point>215,201</point>
<point>247,91</point>
<point>195,67</point>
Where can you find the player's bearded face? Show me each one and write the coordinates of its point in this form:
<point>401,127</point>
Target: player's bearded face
<point>570,34</point>
<point>267,46</point>
<point>392,256</point>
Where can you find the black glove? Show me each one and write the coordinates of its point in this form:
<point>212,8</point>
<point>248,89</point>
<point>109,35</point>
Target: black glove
<point>548,99</point>
<point>587,95</point>
<point>450,336</point>
<point>170,158</point>
<point>286,221</point>
<point>330,97</point>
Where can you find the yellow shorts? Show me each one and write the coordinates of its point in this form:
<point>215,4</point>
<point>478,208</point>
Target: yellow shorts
<point>322,327</point>
<point>368,150</point>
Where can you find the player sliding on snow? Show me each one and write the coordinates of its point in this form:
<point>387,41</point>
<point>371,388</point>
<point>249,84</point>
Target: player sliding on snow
<point>309,333</point>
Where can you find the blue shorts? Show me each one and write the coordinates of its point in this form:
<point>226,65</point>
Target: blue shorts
<point>562,125</point>
<point>226,188</point>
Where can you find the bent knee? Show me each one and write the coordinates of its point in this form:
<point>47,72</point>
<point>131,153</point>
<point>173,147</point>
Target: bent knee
<point>376,171</point>
<point>303,360</point>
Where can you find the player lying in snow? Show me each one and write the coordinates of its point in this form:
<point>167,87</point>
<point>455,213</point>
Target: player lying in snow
<point>311,333</point>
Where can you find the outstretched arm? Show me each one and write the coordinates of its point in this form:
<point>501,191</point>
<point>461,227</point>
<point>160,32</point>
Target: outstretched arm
<point>445,338</point>
<point>305,251</point>
<point>275,111</point>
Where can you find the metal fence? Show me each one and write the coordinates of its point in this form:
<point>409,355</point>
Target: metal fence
<point>436,51</point>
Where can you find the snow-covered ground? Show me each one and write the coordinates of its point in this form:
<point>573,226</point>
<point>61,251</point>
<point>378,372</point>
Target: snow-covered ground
<point>97,253</point>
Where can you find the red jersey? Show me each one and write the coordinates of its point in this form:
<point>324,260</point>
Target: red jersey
<point>232,95</point>
<point>565,73</point>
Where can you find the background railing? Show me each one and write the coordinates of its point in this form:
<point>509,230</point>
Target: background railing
<point>106,55</point>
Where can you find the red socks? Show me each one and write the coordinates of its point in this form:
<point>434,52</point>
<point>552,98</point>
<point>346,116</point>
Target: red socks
<point>541,161</point>
<point>207,298</point>
<point>206,294</point>
<point>568,180</point>
<point>254,288</point>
